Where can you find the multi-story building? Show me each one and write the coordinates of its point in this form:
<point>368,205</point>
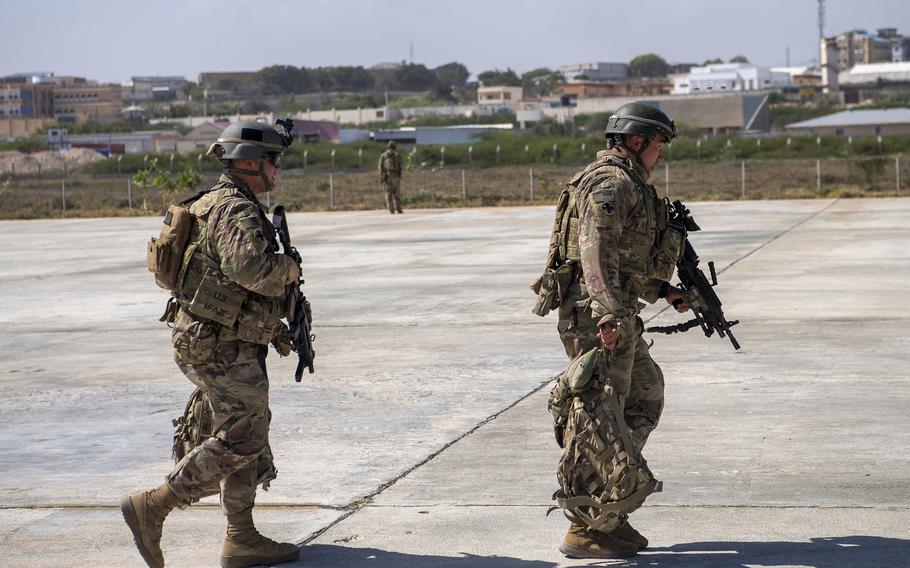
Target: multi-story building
<point>583,72</point>
<point>26,95</point>
<point>861,47</point>
<point>154,88</point>
<point>729,77</point>
<point>79,100</point>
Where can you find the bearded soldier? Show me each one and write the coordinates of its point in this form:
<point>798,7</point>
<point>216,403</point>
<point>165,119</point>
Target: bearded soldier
<point>228,284</point>
<point>611,246</point>
<point>390,167</point>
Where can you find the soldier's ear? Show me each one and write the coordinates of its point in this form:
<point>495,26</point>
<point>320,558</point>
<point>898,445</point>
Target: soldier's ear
<point>635,142</point>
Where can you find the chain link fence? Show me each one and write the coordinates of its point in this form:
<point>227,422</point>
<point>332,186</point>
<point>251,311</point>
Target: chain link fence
<point>60,194</point>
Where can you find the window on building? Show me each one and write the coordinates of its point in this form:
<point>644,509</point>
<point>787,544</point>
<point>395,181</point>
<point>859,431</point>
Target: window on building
<point>839,131</point>
<point>507,96</point>
<point>878,130</point>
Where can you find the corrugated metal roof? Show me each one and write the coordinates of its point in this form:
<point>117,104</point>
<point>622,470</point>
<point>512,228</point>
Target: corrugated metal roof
<point>869,117</point>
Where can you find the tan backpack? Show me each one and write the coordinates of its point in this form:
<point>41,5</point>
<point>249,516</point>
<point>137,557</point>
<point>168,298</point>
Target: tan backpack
<point>165,252</point>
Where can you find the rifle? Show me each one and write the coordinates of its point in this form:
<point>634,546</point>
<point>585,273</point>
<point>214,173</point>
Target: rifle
<point>696,288</point>
<point>299,315</point>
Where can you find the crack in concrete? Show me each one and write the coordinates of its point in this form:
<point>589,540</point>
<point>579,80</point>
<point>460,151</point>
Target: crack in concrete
<point>761,246</point>
<point>365,501</point>
<point>362,502</point>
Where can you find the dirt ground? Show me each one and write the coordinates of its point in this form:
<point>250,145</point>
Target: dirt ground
<point>30,196</point>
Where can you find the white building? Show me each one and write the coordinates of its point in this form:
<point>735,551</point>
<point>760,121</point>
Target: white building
<point>729,77</point>
<point>595,72</point>
<point>874,73</point>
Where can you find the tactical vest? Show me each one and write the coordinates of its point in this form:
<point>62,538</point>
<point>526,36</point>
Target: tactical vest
<point>563,265</point>
<point>203,290</point>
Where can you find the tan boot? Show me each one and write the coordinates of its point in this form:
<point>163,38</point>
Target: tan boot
<point>582,543</point>
<point>626,532</point>
<point>144,513</point>
<point>244,546</point>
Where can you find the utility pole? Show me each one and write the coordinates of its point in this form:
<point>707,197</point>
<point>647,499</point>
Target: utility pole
<point>411,52</point>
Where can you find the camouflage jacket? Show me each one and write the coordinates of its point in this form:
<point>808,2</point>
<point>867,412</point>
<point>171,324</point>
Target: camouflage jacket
<point>233,274</point>
<point>390,163</point>
<point>621,222</point>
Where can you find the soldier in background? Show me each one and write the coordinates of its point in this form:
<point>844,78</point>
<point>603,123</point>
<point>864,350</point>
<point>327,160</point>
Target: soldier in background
<point>611,246</point>
<point>225,311</point>
<point>390,167</point>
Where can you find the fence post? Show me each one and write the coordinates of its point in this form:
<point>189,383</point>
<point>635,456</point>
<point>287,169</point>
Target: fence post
<point>470,154</point>
<point>897,173</point>
<point>333,159</point>
<point>129,192</point>
<point>698,149</point>
<point>531,181</point>
<point>331,190</point>
<point>464,186</point>
<point>306,154</point>
<point>743,177</point>
<point>360,158</point>
<point>119,160</point>
<point>442,158</point>
<point>145,162</point>
<point>583,148</point>
<point>527,153</point>
<point>497,154</point>
<point>555,153</point>
<point>818,176</point>
<point>63,189</point>
<point>172,163</point>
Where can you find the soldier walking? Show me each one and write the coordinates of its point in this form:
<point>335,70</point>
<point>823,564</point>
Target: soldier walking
<point>225,311</point>
<point>390,167</point>
<point>610,247</point>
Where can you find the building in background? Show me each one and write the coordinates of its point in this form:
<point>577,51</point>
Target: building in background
<point>859,47</point>
<point>499,97</point>
<point>729,77</point>
<point>79,100</point>
<point>623,88</point>
<point>873,81</point>
<point>586,72</point>
<point>26,95</point>
<point>155,88</point>
<point>872,122</point>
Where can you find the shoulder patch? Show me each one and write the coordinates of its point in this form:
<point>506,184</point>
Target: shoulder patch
<point>603,197</point>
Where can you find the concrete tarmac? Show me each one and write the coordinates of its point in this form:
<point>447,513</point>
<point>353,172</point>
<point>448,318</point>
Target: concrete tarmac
<point>423,438</point>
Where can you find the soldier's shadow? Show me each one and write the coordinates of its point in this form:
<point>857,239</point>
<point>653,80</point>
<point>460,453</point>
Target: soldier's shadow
<point>344,556</point>
<point>822,552</point>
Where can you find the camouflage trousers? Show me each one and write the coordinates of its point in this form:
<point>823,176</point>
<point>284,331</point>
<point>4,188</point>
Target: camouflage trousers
<point>237,385</point>
<point>603,426</point>
<point>633,374</point>
<point>392,187</point>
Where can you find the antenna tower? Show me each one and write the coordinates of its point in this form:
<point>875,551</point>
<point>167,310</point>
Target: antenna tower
<point>821,19</point>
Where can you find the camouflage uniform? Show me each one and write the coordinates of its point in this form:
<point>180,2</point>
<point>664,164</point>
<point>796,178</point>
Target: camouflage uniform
<point>390,167</point>
<point>230,304</point>
<point>615,250</point>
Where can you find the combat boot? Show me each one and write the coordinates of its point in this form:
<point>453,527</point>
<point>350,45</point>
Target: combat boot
<point>244,546</point>
<point>582,543</point>
<point>626,532</point>
<point>144,513</point>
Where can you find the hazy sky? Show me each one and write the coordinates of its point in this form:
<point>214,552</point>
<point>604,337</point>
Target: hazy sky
<point>112,40</point>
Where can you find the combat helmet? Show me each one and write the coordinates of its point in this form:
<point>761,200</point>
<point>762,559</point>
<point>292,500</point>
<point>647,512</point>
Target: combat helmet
<point>252,140</point>
<point>639,119</point>
<point>391,145</point>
